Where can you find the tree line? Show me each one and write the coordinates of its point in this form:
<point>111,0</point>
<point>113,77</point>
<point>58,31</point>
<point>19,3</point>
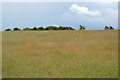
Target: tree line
<point>53,28</point>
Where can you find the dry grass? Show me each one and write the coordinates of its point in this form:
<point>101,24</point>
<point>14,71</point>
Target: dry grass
<point>63,54</point>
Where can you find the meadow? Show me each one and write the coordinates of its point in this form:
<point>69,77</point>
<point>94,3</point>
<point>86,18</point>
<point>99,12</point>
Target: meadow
<point>60,54</point>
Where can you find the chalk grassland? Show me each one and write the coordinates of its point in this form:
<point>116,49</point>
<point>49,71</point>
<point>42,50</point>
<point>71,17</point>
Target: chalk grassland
<point>60,54</point>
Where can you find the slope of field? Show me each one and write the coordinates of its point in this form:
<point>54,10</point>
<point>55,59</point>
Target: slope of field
<point>60,54</point>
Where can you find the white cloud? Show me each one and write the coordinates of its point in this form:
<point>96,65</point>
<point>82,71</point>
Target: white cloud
<point>109,17</point>
<point>83,10</point>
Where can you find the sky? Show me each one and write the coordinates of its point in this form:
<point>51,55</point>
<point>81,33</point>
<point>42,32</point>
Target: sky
<point>93,15</point>
<point>59,0</point>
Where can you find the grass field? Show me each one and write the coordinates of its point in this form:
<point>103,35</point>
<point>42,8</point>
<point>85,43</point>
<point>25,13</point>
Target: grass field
<point>60,54</point>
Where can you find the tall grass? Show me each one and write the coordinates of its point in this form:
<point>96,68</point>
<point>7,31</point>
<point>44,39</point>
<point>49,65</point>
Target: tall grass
<point>60,54</point>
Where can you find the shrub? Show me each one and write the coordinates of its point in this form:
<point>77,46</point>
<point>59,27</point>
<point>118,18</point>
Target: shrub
<point>35,28</point>
<point>51,28</point>
<point>40,28</point>
<point>26,29</point>
<point>82,27</point>
<point>16,29</point>
<point>65,28</point>
<point>106,28</point>
<point>7,29</point>
<point>111,28</point>
<point>60,28</point>
<point>70,28</point>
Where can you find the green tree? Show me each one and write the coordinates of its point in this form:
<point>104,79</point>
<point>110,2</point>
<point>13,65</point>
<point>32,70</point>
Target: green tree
<point>60,28</point>
<point>16,29</point>
<point>106,27</point>
<point>82,27</point>
<point>8,29</point>
<point>40,28</point>
<point>26,29</point>
<point>51,28</point>
<point>70,28</point>
<point>65,28</point>
<point>35,28</point>
<point>111,28</point>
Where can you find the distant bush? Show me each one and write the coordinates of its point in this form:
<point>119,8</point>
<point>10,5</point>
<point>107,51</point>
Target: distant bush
<point>51,28</point>
<point>61,28</point>
<point>58,28</point>
<point>40,28</point>
<point>108,28</point>
<point>26,29</point>
<point>70,28</point>
<point>65,28</point>
<point>35,28</point>
<point>111,28</point>
<point>7,29</point>
<point>82,27</point>
<point>16,29</point>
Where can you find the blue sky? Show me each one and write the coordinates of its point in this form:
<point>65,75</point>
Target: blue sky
<point>93,15</point>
